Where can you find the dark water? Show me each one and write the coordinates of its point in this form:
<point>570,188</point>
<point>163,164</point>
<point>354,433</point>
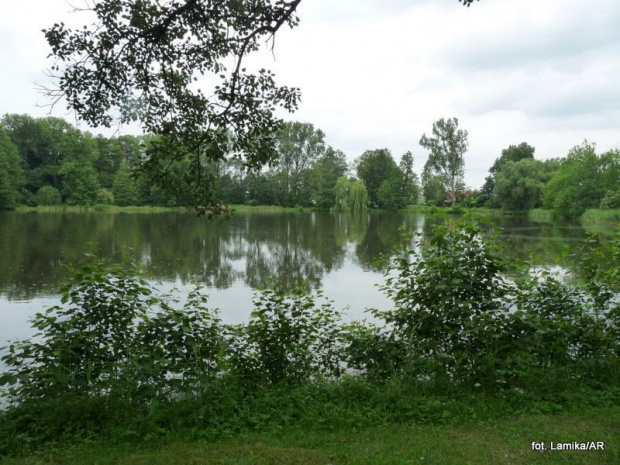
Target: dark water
<point>334,252</point>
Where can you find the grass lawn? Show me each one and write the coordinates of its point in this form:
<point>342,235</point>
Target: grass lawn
<point>506,441</point>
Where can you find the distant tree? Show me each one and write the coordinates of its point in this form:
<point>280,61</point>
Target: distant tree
<point>26,133</point>
<point>513,153</point>
<point>230,181</point>
<point>124,187</point>
<point>410,180</point>
<point>375,167</point>
<point>325,172</point>
<point>48,146</point>
<point>48,195</point>
<point>79,182</point>
<point>445,161</point>
<point>519,184</point>
<point>11,174</point>
<point>350,196</point>
<point>104,197</point>
<point>433,189</point>
<point>261,188</point>
<point>108,162</point>
<point>582,181</point>
<point>299,145</point>
<point>485,196</point>
<point>392,193</point>
<point>39,147</point>
<point>112,152</point>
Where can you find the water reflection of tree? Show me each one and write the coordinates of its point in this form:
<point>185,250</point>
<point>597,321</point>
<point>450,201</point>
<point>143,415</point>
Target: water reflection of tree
<point>169,246</point>
<point>291,248</point>
<point>540,243</point>
<point>249,247</point>
<point>383,232</point>
<point>33,248</point>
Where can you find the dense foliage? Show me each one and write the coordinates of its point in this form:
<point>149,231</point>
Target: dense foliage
<point>445,165</point>
<point>11,173</point>
<point>583,181</point>
<point>567,186</point>
<point>117,361</point>
<point>46,161</point>
<point>139,61</point>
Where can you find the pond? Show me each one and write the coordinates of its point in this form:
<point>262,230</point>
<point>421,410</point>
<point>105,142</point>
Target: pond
<point>231,257</point>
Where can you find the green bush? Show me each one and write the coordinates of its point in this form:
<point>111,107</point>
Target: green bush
<point>611,200</point>
<point>117,361</point>
<point>104,197</point>
<point>288,340</point>
<point>447,296</point>
<point>48,195</point>
<point>111,344</point>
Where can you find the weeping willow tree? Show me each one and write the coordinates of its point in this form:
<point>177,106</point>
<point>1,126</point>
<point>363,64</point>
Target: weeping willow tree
<point>350,196</point>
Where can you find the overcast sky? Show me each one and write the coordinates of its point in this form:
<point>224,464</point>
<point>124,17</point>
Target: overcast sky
<point>377,73</point>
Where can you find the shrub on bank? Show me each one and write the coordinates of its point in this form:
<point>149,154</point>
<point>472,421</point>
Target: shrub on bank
<point>117,361</point>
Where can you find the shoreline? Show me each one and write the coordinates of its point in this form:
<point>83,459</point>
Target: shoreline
<point>589,217</point>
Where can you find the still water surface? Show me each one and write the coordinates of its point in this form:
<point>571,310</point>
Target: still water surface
<point>231,258</point>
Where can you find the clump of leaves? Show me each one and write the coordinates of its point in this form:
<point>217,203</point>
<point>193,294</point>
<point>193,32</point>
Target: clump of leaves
<point>447,295</point>
<point>290,338</point>
<point>111,343</point>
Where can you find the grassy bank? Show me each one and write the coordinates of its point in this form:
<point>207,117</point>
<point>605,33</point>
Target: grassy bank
<point>269,208</point>
<point>607,217</point>
<point>98,208</point>
<point>430,210</point>
<point>153,209</point>
<point>591,217</point>
<point>483,442</point>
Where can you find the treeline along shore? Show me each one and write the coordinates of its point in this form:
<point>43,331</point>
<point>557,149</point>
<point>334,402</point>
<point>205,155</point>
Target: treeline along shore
<point>46,162</point>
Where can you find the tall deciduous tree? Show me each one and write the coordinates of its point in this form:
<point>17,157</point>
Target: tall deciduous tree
<point>124,187</point>
<point>11,173</point>
<point>519,184</point>
<point>582,181</point>
<point>447,146</point>
<point>79,182</point>
<point>376,167</point>
<point>410,179</point>
<point>324,175</point>
<point>512,153</point>
<point>299,146</point>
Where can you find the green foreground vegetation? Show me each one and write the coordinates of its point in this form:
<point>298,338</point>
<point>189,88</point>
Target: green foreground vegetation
<point>462,349</point>
<point>477,442</point>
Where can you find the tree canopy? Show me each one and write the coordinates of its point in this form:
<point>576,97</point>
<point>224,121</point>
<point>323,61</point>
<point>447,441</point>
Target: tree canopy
<point>140,60</point>
<point>519,184</point>
<point>11,173</point>
<point>583,180</point>
<point>445,161</point>
<point>383,179</point>
<point>512,153</point>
